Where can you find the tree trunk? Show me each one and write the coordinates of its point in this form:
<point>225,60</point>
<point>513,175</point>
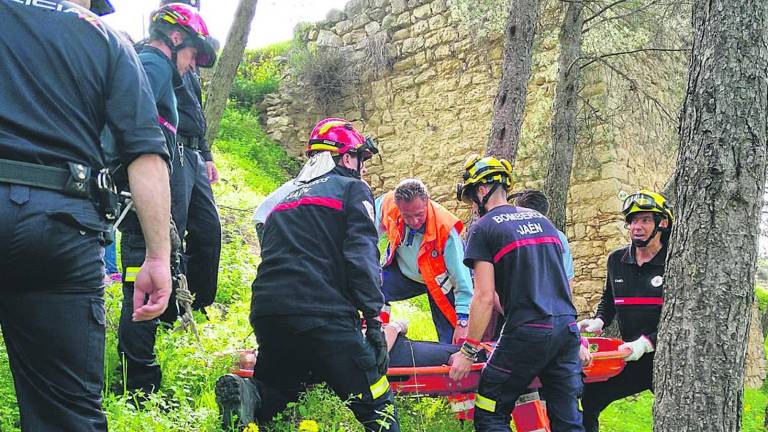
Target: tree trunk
<point>699,369</point>
<point>565,108</point>
<point>226,67</point>
<point>509,105</point>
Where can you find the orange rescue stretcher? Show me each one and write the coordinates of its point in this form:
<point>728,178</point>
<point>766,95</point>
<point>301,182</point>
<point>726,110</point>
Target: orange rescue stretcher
<point>530,413</point>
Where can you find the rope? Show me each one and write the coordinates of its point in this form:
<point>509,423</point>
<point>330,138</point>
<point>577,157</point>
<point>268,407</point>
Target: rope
<point>185,299</point>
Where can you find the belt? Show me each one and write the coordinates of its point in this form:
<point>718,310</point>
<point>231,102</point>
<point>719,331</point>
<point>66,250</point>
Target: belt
<point>75,180</point>
<point>191,142</point>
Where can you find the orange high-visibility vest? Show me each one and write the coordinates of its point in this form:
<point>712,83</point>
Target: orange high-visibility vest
<point>430,257</point>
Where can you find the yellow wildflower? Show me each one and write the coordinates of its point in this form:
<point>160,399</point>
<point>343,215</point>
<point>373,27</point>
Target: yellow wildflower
<point>308,426</point>
<point>252,427</point>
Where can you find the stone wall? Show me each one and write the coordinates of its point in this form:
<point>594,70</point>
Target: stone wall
<point>433,108</point>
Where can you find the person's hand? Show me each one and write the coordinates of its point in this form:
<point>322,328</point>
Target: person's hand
<point>459,334</point>
<point>585,356</point>
<point>639,347</point>
<point>213,173</point>
<point>460,366</point>
<point>154,282</point>
<point>591,326</point>
<point>378,342</point>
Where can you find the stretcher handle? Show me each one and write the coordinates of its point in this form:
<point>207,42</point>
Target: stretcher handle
<point>610,355</point>
<point>444,370</point>
<point>428,370</point>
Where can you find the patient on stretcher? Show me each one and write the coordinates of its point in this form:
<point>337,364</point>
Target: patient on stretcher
<point>403,351</point>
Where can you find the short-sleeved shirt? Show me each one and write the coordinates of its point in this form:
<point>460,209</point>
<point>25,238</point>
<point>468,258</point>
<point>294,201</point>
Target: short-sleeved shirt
<point>65,75</point>
<point>526,253</point>
<point>162,78</point>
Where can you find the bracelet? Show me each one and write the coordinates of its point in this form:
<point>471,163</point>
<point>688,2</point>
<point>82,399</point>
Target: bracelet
<point>469,351</point>
<point>475,343</point>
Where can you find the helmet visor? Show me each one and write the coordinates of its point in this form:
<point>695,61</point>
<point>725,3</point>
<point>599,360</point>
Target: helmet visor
<point>206,52</point>
<point>641,201</point>
<point>463,193</point>
<point>367,149</point>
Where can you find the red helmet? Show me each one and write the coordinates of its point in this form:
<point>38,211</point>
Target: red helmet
<point>339,136</point>
<point>179,16</point>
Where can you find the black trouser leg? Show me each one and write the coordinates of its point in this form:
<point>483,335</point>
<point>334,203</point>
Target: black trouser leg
<point>636,377</point>
<point>136,339</point>
<point>52,309</point>
<point>546,350</point>
<point>334,352</point>
<point>203,240</point>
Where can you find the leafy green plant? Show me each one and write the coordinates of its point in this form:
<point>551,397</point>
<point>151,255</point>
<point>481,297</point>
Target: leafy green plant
<point>258,75</point>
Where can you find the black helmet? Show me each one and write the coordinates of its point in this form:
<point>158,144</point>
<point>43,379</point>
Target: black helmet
<point>101,7</point>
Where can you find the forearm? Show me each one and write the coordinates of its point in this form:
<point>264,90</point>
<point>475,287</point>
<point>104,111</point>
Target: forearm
<point>480,312</point>
<point>150,190</point>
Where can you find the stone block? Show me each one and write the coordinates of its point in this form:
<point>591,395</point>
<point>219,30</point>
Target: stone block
<point>389,22</point>
<point>327,38</point>
<point>403,19</point>
<point>401,35</point>
<point>354,37</point>
<point>420,28</point>
<point>412,45</point>
<point>377,15</point>
<point>343,27</point>
<point>438,7</point>
<point>398,6</point>
<point>422,12</point>
<point>437,22</point>
<point>360,21</point>
<point>372,27</point>
<point>425,76</point>
<point>442,51</point>
<point>384,131</point>
<point>414,3</point>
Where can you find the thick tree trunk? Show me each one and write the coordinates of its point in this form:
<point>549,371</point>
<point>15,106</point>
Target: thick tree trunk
<point>509,105</point>
<point>699,369</point>
<point>226,67</point>
<point>565,108</point>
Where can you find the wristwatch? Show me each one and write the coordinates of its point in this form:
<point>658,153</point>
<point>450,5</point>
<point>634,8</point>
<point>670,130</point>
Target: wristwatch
<point>462,322</point>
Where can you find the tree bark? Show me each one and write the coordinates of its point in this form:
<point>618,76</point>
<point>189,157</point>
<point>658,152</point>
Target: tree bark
<point>226,67</point>
<point>699,366</point>
<point>509,105</point>
<point>565,109</point>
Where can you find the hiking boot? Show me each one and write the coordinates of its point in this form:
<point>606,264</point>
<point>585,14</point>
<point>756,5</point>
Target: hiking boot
<point>238,399</point>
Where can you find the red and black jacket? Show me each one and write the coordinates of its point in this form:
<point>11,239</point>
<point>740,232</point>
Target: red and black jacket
<point>633,294</point>
<point>320,255</point>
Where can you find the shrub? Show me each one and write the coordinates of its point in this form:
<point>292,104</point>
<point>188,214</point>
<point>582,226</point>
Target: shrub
<point>258,75</point>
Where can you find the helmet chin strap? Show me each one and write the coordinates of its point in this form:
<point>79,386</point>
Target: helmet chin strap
<point>481,203</point>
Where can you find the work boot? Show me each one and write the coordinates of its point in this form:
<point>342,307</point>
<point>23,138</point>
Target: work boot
<point>238,399</point>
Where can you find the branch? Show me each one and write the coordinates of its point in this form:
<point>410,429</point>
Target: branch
<point>601,11</point>
<point>622,16</point>
<point>614,54</point>
<point>634,83</point>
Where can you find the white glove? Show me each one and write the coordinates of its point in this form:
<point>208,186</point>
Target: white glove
<point>639,347</point>
<point>591,325</point>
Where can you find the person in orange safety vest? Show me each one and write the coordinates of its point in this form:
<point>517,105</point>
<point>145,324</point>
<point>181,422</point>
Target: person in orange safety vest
<point>425,255</point>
